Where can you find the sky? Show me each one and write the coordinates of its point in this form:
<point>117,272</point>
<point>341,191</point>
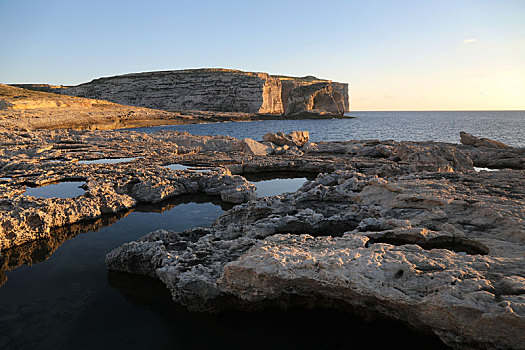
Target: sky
<point>396,55</point>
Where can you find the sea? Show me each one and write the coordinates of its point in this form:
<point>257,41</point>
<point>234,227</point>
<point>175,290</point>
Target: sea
<point>57,293</point>
<point>441,126</point>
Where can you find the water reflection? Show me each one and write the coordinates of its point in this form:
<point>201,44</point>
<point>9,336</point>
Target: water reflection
<point>177,167</point>
<point>60,296</point>
<point>65,189</point>
<point>276,183</point>
<point>41,250</point>
<point>57,296</point>
<point>38,251</point>
<point>484,169</point>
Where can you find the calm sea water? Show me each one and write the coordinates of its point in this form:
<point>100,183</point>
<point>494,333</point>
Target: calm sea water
<point>505,126</point>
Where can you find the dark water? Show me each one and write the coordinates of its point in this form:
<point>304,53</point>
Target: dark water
<point>58,295</point>
<point>505,126</point>
<point>66,300</point>
<point>66,189</point>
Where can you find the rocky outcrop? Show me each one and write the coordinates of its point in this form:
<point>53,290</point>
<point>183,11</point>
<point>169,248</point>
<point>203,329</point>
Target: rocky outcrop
<point>492,154</point>
<point>49,158</point>
<point>318,98</point>
<point>14,98</point>
<point>24,108</point>
<point>255,148</point>
<point>220,90</point>
<point>471,140</point>
<point>40,158</point>
<point>41,87</point>
<point>24,219</point>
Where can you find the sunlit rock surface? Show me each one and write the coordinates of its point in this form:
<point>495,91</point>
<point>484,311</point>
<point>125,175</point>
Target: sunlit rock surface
<point>408,230</point>
<point>296,138</point>
<point>443,252</point>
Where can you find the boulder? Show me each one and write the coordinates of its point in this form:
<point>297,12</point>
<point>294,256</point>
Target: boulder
<point>254,148</point>
<point>428,157</point>
<point>471,140</point>
<point>295,138</point>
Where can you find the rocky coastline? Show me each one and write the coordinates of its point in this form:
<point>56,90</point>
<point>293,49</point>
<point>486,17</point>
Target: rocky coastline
<point>39,106</point>
<point>220,90</point>
<point>402,230</point>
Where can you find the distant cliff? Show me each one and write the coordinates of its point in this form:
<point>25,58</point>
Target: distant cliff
<point>220,90</point>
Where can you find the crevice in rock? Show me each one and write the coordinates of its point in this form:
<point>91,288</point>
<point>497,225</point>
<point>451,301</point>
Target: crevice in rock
<point>455,244</point>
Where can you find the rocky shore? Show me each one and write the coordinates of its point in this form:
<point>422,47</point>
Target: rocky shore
<point>402,230</point>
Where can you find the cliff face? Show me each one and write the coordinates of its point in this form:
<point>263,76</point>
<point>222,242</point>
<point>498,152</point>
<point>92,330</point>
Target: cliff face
<point>219,90</point>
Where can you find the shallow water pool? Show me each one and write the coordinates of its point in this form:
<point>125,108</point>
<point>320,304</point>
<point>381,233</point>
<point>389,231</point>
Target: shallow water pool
<point>57,295</point>
<point>65,189</point>
<point>276,183</point>
<point>106,161</point>
<point>188,167</point>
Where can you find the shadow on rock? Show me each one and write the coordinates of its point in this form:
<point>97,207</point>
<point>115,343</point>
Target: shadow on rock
<point>279,323</point>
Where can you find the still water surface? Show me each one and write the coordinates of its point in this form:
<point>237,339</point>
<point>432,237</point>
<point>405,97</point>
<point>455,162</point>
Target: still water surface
<point>66,300</point>
<point>276,183</point>
<point>66,189</point>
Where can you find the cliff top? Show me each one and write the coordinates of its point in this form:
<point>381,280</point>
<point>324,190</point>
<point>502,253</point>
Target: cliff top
<point>308,78</point>
<point>40,87</point>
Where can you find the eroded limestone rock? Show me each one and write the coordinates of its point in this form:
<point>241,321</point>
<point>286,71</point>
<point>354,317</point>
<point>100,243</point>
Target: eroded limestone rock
<point>439,251</point>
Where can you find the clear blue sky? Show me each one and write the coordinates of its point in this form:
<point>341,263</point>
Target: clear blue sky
<point>396,55</point>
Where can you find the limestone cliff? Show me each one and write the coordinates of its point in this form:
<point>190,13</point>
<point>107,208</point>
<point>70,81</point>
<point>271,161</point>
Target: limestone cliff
<point>219,90</point>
